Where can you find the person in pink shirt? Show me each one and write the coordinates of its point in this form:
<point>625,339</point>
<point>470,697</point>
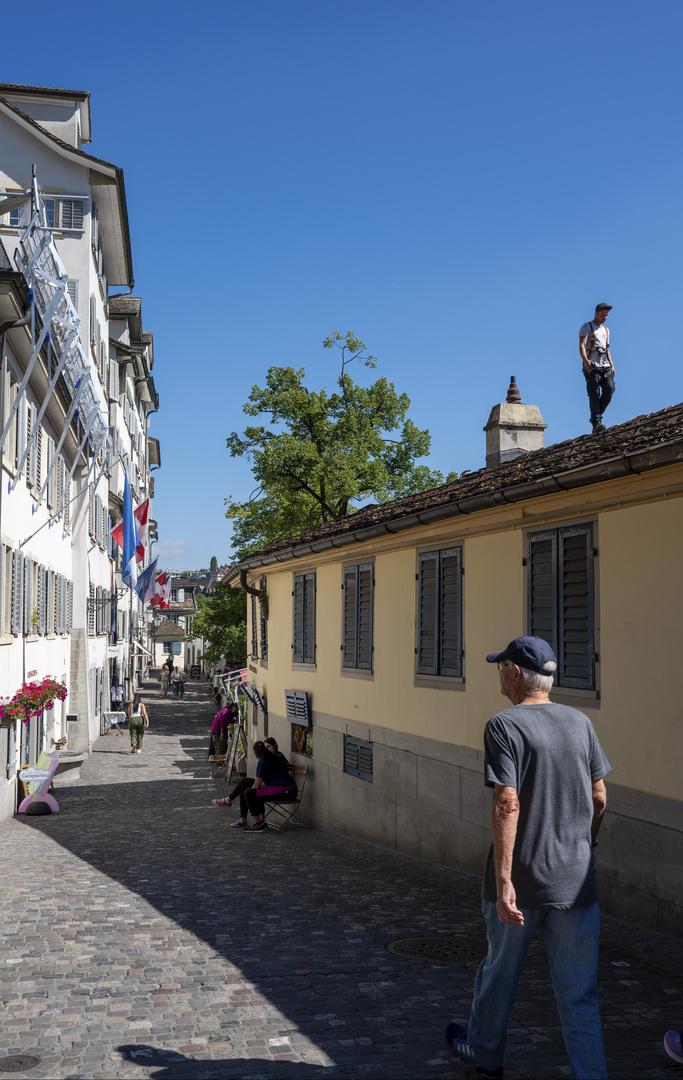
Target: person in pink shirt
<point>219,729</point>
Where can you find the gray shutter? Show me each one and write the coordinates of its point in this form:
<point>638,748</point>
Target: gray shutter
<point>39,460</point>
<point>31,456</point>
<point>67,502</point>
<point>58,604</point>
<point>17,591</point>
<point>309,619</point>
<point>72,287</point>
<point>113,380</point>
<point>21,428</point>
<point>91,609</point>
<point>93,319</point>
<point>263,626</point>
<point>541,586</point>
<point>51,472</point>
<point>42,600</point>
<point>450,580</point>
<point>104,524</point>
<point>298,620</point>
<point>98,610</point>
<point>28,574</point>
<point>349,633</point>
<point>358,757</point>
<point>50,622</point>
<point>427,613</point>
<point>90,513</point>
<point>254,634</point>
<point>70,608</point>
<point>575,586</point>
<point>365,606</point>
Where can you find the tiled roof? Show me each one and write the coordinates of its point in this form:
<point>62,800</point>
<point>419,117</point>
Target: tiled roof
<point>168,631</point>
<point>181,583</point>
<point>15,88</point>
<point>557,463</point>
<point>125,305</point>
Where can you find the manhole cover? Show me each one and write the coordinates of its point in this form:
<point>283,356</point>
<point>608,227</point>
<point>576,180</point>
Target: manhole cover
<point>440,950</point>
<point>19,1063</point>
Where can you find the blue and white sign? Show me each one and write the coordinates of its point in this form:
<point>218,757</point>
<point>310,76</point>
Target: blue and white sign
<point>31,775</point>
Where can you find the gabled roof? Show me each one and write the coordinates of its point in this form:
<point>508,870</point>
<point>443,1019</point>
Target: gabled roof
<point>111,197</point>
<point>649,441</point>
<point>167,631</point>
<point>52,91</point>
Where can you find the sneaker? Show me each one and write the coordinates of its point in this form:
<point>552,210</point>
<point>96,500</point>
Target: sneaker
<point>258,826</point>
<point>222,802</point>
<point>672,1045</point>
<point>456,1037</point>
<point>598,426</point>
<point>241,823</point>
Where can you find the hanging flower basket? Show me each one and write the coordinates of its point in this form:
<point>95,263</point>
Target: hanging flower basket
<point>31,700</point>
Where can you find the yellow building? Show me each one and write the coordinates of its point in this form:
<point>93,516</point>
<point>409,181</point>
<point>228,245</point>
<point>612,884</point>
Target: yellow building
<point>380,623</point>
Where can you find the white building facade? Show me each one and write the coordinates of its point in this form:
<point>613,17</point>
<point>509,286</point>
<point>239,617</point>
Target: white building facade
<point>76,392</point>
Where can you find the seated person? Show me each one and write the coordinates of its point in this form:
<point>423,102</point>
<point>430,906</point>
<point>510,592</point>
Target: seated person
<point>272,782</point>
<point>273,767</point>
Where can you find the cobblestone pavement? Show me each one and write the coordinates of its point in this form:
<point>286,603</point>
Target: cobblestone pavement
<point>145,937</point>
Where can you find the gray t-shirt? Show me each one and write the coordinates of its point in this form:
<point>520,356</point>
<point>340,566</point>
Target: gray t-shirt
<point>551,755</point>
<point>600,341</point>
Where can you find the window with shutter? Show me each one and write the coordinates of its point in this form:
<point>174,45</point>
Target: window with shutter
<point>560,600</point>
<point>72,287</point>
<point>50,622</point>
<point>28,581</point>
<point>71,214</point>
<point>42,600</point>
<point>59,476</point>
<point>103,533</point>
<point>21,430</point>
<point>17,591</point>
<point>51,472</point>
<point>358,757</point>
<point>31,456</point>
<point>90,514</point>
<point>93,319</point>
<point>303,645</point>
<point>58,603</point>
<point>67,502</point>
<point>91,609</point>
<point>254,634</point>
<point>357,633</point>
<point>263,626</point>
<point>98,610</point>
<point>439,612</point>
<point>113,380</point>
<point>39,460</point>
<point>70,608</point>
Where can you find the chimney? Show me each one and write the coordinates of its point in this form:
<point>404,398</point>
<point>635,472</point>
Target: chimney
<point>513,428</point>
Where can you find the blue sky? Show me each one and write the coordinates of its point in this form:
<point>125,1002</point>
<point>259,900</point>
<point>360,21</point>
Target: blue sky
<point>458,183</point>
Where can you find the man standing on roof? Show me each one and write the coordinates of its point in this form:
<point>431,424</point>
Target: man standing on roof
<point>598,368</point>
<point>546,766</point>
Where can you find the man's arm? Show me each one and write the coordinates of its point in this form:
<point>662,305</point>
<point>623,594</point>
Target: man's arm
<point>587,364</point>
<point>504,818</point>
<point>609,355</point>
<point>599,806</point>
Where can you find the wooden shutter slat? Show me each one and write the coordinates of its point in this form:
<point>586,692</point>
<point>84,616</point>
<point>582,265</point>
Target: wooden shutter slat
<point>298,620</point>
<point>450,651</point>
<point>350,606</point>
<point>427,612</point>
<point>365,603</point>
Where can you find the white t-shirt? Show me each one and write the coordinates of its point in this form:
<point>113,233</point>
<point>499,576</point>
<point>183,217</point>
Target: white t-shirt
<point>599,359</point>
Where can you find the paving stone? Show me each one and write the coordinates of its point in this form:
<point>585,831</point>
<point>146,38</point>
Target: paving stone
<point>161,943</point>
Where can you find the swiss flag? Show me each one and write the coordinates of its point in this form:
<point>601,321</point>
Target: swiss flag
<point>162,592</point>
<point>141,515</point>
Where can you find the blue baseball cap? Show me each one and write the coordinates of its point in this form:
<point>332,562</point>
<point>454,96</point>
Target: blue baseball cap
<point>532,653</point>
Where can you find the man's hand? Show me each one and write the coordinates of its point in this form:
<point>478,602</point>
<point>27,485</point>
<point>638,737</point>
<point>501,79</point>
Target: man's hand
<point>508,912</point>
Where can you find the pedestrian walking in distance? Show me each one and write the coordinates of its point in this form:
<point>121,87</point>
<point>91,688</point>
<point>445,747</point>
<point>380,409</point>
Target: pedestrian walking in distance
<point>138,720</point>
<point>546,766</point>
<point>598,368</point>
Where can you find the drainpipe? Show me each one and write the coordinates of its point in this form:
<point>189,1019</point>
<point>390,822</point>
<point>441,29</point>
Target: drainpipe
<point>260,593</point>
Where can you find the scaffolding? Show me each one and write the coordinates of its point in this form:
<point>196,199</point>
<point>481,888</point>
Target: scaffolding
<point>54,327</point>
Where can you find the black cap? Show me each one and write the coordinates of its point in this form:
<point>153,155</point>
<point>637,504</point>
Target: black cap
<point>603,307</point>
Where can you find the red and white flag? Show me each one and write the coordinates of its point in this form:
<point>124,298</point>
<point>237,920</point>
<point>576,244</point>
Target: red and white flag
<point>141,515</point>
<point>162,592</point>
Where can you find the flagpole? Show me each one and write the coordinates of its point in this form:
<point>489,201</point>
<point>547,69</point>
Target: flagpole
<point>130,647</point>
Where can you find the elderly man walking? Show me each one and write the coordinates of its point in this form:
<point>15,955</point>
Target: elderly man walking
<point>547,767</point>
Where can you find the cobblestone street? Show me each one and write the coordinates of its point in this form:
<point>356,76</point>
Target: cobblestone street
<point>145,937</point>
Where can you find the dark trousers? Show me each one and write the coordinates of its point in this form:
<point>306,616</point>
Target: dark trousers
<point>255,802</point>
<point>240,788</point>
<point>600,388</point>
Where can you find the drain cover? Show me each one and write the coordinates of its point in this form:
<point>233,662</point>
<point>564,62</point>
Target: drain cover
<point>440,950</point>
<point>19,1063</point>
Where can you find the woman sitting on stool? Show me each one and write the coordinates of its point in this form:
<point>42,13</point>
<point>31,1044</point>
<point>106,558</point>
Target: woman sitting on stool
<point>271,774</point>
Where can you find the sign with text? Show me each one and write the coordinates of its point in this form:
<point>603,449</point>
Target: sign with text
<point>31,775</point>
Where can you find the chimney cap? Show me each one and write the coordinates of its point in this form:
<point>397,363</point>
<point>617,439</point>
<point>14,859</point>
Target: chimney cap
<point>513,396</point>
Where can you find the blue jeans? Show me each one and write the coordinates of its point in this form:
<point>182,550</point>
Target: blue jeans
<point>571,939</point>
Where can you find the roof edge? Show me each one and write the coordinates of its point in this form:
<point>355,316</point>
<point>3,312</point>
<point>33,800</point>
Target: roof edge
<point>634,463</point>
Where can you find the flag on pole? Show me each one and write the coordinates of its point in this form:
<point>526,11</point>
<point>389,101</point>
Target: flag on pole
<point>162,591</point>
<point>129,572</point>
<point>141,515</point>
<point>146,584</point>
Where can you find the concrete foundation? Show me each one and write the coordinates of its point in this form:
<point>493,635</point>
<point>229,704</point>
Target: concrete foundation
<point>428,799</point>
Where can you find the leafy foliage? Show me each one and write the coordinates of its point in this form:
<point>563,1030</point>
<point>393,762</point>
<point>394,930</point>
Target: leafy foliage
<point>332,450</point>
<point>222,622</point>
<point>214,563</point>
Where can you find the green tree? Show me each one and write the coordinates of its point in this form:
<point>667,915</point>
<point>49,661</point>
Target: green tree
<point>214,563</point>
<point>322,452</point>
<point>222,622</point>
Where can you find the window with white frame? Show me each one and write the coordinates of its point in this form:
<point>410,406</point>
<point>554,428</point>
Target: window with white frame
<point>64,212</point>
